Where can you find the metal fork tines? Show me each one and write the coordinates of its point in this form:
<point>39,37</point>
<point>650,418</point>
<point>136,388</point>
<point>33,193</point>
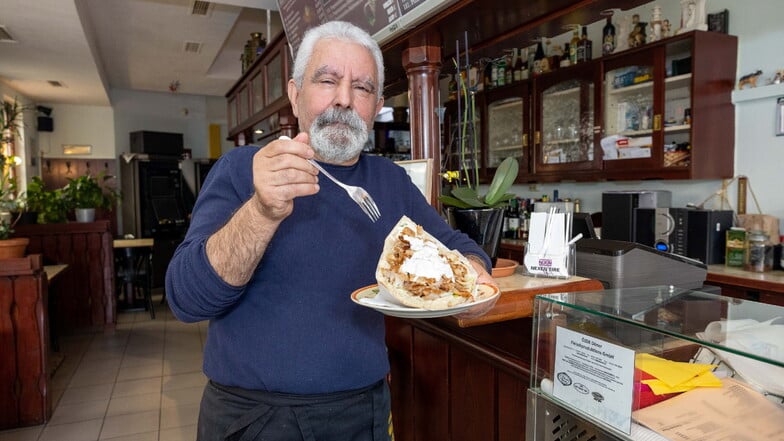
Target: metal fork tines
<point>358,194</point>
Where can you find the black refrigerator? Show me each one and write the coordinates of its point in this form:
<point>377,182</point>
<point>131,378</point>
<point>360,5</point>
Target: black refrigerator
<point>155,204</point>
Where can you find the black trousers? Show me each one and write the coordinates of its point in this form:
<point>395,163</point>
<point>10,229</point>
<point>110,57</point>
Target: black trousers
<point>235,414</point>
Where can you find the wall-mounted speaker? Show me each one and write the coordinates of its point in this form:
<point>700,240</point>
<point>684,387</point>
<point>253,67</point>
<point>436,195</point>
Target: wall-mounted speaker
<point>45,124</point>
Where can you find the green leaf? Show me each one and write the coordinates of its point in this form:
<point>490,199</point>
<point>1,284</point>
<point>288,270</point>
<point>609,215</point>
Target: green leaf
<point>449,200</point>
<point>469,196</point>
<point>504,177</point>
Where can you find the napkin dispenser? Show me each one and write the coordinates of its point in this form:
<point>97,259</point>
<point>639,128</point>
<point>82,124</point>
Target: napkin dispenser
<point>621,264</point>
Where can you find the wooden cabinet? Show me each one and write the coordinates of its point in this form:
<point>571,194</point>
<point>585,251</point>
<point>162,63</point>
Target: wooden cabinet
<point>258,108</point>
<point>672,101</point>
<point>565,103</point>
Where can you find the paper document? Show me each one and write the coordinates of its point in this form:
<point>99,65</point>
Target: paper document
<point>732,412</point>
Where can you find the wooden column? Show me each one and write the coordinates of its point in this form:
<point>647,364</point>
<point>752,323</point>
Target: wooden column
<point>422,61</point>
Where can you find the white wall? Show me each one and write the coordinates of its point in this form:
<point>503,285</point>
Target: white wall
<point>82,125</point>
<point>759,154</point>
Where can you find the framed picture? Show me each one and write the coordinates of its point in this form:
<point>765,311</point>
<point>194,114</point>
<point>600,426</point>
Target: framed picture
<point>421,173</point>
<point>692,16</point>
<point>719,22</point>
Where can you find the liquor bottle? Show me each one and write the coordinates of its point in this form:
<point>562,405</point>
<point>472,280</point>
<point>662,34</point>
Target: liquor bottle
<point>584,47</point>
<point>573,45</point>
<point>513,219</point>
<point>539,59</point>
<point>501,75</point>
<point>519,66</point>
<point>565,59</point>
<point>509,72</point>
<point>608,36</point>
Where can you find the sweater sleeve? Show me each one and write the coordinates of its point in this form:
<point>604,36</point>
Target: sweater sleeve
<point>194,290</point>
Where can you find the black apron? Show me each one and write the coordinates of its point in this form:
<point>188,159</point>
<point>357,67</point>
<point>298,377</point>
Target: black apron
<point>236,414</point>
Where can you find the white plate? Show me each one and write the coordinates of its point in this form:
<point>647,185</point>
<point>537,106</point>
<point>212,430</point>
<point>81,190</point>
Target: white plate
<point>378,298</point>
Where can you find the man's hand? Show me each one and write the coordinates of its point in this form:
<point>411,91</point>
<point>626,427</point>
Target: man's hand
<point>484,278</point>
<point>281,173</point>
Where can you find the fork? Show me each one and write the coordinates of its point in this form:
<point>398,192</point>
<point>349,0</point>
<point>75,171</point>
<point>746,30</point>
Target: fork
<point>358,194</point>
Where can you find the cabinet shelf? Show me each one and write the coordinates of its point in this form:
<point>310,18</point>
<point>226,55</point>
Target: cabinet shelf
<point>678,81</point>
<point>678,128</point>
<point>565,92</point>
<point>632,88</point>
<point>506,147</point>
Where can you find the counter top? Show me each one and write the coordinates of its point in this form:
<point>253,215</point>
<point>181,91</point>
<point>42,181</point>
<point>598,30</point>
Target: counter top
<point>768,281</point>
<point>518,292</point>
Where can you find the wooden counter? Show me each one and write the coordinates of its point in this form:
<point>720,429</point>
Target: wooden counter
<point>518,292</point>
<point>767,287</point>
<point>25,394</point>
<point>456,379</point>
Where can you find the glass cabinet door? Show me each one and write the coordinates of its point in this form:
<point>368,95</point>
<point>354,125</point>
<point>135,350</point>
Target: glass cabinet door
<point>566,111</point>
<point>504,131</point>
<point>632,116</point>
<point>463,137</point>
<point>677,105</point>
<point>275,78</point>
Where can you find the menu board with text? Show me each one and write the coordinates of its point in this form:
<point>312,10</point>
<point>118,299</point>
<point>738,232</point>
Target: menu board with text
<point>371,15</point>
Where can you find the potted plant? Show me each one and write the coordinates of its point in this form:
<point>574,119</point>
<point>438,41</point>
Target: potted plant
<point>9,206</point>
<point>47,206</point>
<point>482,217</point>
<point>86,193</point>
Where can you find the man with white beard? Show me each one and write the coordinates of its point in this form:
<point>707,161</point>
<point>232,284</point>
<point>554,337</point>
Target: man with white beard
<point>273,253</point>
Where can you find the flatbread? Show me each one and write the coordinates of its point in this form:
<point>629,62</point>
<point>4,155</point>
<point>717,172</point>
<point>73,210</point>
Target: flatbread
<point>419,271</point>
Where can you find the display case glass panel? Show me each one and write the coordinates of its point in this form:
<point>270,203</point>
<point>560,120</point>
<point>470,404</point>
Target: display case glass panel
<point>663,349</point>
<point>257,92</point>
<point>677,105</point>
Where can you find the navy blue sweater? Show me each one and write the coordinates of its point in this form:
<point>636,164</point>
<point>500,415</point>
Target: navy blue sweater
<point>293,328</point>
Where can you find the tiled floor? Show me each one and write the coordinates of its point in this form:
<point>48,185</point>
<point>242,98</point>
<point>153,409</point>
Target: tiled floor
<point>140,382</point>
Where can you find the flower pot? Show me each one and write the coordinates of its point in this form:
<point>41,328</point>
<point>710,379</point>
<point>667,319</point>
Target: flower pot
<point>84,214</point>
<point>483,225</point>
<point>13,248</point>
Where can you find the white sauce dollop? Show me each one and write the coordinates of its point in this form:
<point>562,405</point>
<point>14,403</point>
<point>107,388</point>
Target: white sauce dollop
<point>425,260</point>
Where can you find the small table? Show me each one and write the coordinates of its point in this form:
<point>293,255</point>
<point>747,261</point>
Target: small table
<point>134,267</point>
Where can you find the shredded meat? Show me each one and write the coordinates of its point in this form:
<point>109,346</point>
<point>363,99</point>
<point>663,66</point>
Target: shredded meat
<point>427,287</point>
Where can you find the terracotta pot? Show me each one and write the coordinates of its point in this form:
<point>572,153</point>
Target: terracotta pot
<point>13,248</point>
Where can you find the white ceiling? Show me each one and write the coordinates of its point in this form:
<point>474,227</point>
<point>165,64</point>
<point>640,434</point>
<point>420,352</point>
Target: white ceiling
<point>93,46</point>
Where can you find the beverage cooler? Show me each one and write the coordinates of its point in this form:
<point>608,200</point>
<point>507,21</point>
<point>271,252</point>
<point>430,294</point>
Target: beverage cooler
<point>156,203</point>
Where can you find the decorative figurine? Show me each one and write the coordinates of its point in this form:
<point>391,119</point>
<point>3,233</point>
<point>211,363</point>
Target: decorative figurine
<point>778,78</point>
<point>665,28</point>
<point>622,42</point>
<point>750,80</point>
<point>656,25</point>
<point>692,16</point>
<point>637,35</point>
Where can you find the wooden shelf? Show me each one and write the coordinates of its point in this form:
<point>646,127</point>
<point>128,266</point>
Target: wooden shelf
<point>757,93</point>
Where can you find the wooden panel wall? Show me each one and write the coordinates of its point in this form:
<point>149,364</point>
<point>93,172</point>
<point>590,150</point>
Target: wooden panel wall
<point>86,296</point>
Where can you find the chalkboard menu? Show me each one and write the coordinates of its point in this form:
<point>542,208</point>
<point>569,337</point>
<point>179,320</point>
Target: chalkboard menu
<point>381,18</point>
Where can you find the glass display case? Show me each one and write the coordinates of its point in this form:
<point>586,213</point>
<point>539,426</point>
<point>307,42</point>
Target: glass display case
<point>655,363</point>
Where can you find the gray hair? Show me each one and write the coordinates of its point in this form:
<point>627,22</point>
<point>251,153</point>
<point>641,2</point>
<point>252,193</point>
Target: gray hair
<point>339,30</point>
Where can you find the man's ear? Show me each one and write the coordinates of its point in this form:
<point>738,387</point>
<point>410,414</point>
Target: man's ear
<point>293,94</point>
<point>379,105</point>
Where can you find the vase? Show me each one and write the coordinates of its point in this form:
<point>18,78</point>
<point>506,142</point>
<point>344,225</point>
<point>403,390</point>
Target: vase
<point>13,248</point>
<point>483,225</point>
<point>84,214</point>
